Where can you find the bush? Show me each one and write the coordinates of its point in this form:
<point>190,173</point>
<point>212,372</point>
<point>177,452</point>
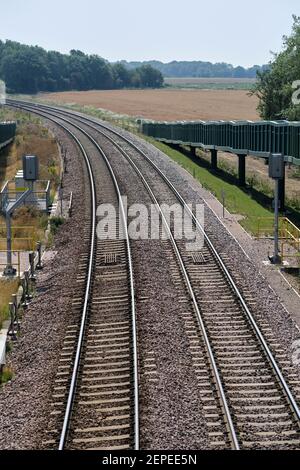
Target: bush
<point>55,223</point>
<point>6,375</point>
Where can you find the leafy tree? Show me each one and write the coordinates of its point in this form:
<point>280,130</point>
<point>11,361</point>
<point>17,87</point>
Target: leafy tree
<point>122,76</point>
<point>275,85</point>
<point>149,77</point>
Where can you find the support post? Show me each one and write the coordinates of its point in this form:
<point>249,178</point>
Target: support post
<point>214,159</point>
<point>11,330</point>
<point>193,151</point>
<point>27,278</point>
<point>281,190</point>
<point>276,258</point>
<point>39,265</point>
<point>242,170</point>
<point>24,302</point>
<point>31,263</point>
<point>9,270</point>
<point>276,171</point>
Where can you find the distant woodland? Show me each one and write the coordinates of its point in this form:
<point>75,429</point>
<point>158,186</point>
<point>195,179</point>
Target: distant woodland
<point>198,69</point>
<point>32,69</point>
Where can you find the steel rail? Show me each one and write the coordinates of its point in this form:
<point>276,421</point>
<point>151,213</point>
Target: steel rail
<point>132,292</point>
<point>227,274</point>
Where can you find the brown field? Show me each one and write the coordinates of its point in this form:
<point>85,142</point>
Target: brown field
<point>167,105</point>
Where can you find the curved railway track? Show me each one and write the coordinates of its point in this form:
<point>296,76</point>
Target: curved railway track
<point>257,404</point>
<point>98,375</point>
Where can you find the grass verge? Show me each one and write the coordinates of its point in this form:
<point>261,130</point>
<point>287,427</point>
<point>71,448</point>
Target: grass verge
<point>236,200</point>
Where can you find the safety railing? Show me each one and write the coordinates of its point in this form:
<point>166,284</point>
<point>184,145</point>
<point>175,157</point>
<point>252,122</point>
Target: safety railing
<point>4,197</point>
<point>289,235</point>
<point>23,237</point>
<point>265,227</point>
<point>39,197</point>
<point>290,239</point>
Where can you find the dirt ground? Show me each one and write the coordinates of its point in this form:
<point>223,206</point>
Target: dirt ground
<point>168,104</point>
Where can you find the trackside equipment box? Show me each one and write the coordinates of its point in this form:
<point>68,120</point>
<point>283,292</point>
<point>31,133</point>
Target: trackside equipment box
<point>30,167</point>
<point>276,166</point>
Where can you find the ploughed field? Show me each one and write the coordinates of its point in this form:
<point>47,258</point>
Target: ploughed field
<point>167,105</point>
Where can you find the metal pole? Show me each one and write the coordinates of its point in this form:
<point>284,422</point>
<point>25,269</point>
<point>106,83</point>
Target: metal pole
<point>28,295</point>
<point>61,199</point>
<point>223,202</point>
<point>15,303</point>
<point>8,235</point>
<point>24,302</point>
<point>276,258</point>
<point>39,265</point>
<point>9,270</point>
<point>31,263</point>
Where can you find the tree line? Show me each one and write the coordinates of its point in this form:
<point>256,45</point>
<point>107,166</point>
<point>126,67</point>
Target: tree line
<point>278,88</point>
<point>195,69</point>
<point>32,69</point>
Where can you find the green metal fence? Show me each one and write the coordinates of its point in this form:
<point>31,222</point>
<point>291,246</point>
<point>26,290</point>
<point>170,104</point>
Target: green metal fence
<point>7,132</point>
<point>242,137</point>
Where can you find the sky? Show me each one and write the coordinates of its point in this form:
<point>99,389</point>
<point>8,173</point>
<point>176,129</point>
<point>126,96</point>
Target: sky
<point>233,31</point>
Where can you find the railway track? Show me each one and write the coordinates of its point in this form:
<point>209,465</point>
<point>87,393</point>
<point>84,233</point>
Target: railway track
<point>96,389</point>
<point>249,389</point>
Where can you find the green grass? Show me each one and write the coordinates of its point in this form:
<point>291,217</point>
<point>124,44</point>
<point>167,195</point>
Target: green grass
<point>236,200</point>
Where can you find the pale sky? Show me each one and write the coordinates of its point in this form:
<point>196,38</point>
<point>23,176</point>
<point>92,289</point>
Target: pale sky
<point>233,31</point>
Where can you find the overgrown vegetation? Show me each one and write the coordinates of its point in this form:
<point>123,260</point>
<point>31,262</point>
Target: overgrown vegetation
<point>31,138</point>
<point>274,87</point>
<point>7,289</point>
<point>6,376</point>
<point>31,69</point>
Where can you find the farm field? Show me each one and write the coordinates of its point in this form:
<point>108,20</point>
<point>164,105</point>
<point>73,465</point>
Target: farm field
<point>166,105</point>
